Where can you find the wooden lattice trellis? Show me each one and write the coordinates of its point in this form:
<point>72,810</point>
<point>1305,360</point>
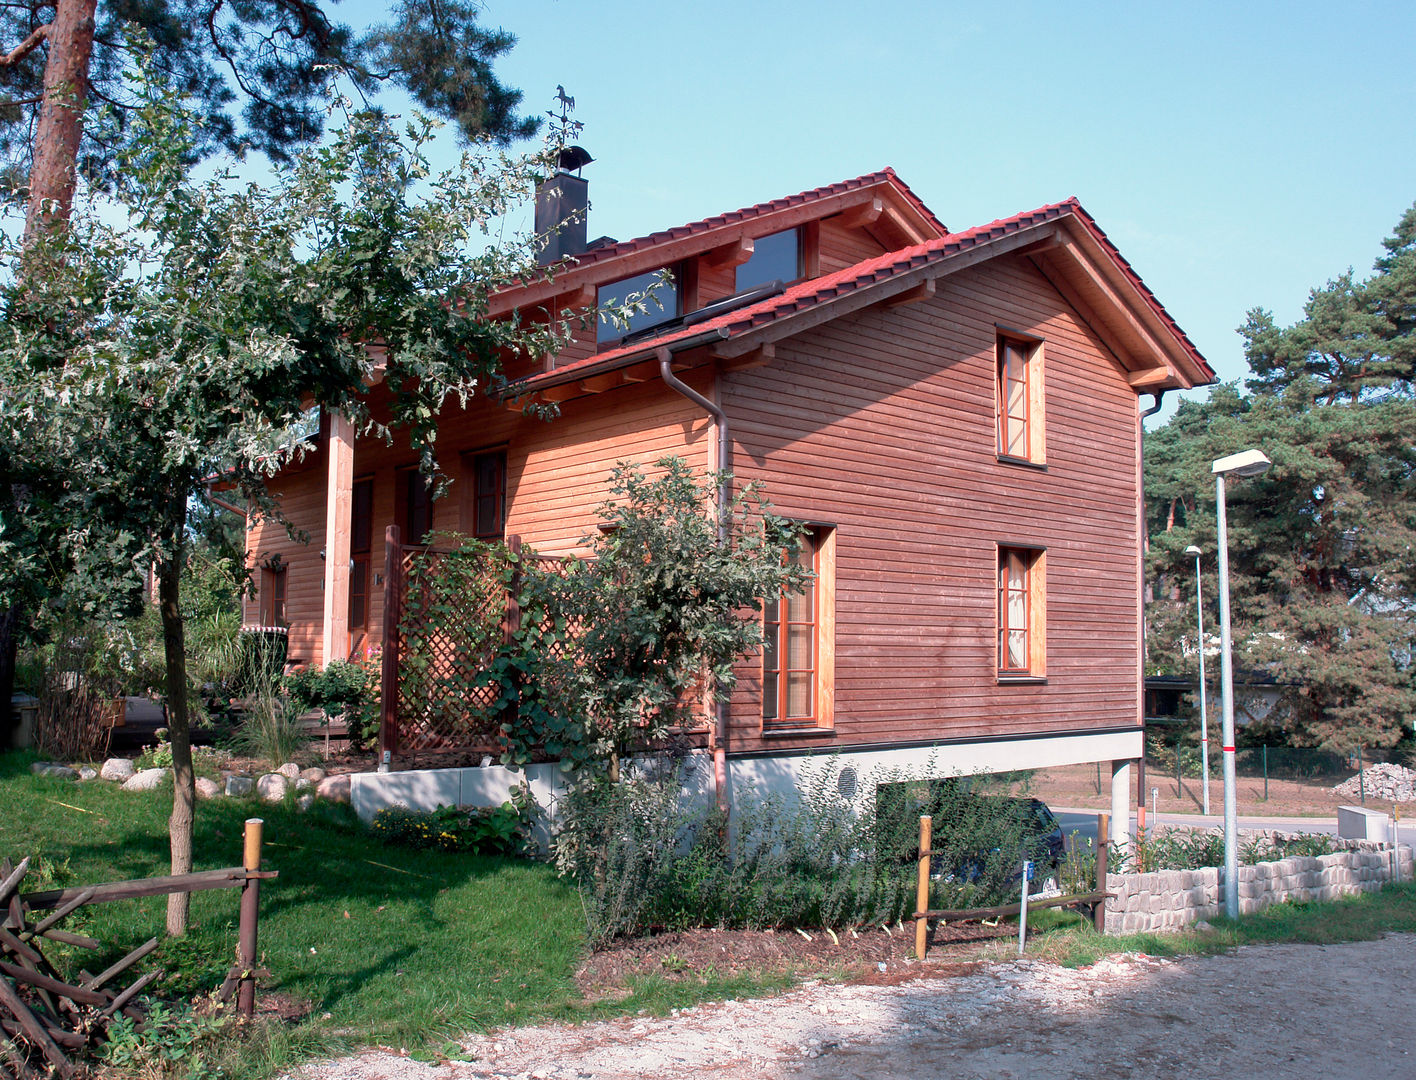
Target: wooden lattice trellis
<point>446,615</point>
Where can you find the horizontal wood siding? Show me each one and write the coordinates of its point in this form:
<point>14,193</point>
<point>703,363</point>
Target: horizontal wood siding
<point>557,474</point>
<point>883,424</point>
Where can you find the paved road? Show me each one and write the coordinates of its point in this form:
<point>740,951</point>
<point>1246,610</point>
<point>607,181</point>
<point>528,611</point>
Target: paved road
<point>1083,822</point>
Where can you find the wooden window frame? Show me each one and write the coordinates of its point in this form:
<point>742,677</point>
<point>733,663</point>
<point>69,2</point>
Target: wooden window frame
<point>1034,566</point>
<point>800,233</point>
<point>472,493</point>
<point>360,555</point>
<point>685,280</point>
<point>1029,350</point>
<point>403,507</point>
<point>275,594</point>
<point>822,590</point>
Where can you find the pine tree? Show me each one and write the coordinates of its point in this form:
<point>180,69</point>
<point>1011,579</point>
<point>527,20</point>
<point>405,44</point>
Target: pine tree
<point>1321,548</point>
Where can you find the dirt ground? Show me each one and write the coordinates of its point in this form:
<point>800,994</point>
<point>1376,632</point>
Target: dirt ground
<point>1281,1011</point>
<point>1076,785</point>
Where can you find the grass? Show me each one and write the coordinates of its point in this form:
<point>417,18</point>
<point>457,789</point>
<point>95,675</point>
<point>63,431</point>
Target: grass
<point>407,949</point>
<point>385,945</point>
<point>1065,938</point>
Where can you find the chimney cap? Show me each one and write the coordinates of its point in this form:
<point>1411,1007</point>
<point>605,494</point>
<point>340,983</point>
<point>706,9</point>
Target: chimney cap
<point>572,157</point>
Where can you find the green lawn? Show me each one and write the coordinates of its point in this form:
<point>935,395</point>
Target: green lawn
<point>387,945</point>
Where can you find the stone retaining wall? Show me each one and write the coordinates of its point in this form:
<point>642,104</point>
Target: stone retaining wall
<point>1168,900</point>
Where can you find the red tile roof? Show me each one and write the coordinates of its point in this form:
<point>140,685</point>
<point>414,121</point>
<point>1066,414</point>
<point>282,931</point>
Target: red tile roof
<point>884,176</point>
<point>828,287</point>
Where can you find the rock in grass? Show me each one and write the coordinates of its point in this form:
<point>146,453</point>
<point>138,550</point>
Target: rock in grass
<point>272,786</point>
<point>54,770</point>
<point>304,802</point>
<point>289,770</point>
<point>207,788</point>
<point>238,786</point>
<point>117,769</point>
<point>334,788</point>
<point>147,780</point>
<point>88,772</point>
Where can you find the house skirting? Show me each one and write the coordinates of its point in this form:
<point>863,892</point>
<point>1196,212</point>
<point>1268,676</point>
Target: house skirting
<point>856,771</point>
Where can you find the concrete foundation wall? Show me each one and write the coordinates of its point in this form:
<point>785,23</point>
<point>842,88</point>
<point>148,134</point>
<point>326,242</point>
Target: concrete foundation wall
<point>1168,900</point>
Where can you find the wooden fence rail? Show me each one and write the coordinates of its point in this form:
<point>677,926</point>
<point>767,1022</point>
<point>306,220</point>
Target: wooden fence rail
<point>1094,903</point>
<point>42,1015</point>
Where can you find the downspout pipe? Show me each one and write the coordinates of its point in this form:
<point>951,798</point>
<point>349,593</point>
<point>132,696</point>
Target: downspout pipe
<point>1159,397</point>
<point>720,713</point>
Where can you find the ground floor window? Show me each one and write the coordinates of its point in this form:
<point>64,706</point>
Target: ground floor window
<point>798,650</point>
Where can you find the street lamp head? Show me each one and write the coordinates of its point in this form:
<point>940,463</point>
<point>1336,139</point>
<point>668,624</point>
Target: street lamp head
<point>1244,463</point>
<point>1194,550</point>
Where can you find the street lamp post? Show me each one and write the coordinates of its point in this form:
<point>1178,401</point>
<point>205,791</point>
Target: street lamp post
<point>1245,463</point>
<point>1204,710</point>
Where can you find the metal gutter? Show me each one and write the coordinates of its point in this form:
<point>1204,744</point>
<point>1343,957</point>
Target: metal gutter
<point>664,354</point>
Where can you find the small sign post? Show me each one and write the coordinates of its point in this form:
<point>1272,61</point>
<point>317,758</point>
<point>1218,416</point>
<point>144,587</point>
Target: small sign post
<point>1023,912</point>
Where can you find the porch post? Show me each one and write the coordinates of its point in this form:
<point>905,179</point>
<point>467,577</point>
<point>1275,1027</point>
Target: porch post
<point>334,643</point>
<point>1121,804</point>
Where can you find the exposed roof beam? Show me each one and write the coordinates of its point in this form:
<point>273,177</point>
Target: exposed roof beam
<point>863,215</point>
<point>734,253</point>
<point>763,354</point>
<point>923,291</point>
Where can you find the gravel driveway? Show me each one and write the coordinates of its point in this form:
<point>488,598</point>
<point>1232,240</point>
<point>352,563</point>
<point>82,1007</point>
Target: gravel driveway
<point>1280,1011</point>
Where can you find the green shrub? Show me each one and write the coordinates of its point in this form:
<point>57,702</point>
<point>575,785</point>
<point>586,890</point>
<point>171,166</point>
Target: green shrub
<point>347,688</point>
<point>479,830</point>
<point>1189,849</point>
<point>646,854</point>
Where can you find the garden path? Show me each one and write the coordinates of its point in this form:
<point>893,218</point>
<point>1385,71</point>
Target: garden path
<point>1280,1011</point>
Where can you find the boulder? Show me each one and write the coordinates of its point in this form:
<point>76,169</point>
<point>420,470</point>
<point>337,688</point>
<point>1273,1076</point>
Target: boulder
<point>88,772</point>
<point>238,786</point>
<point>304,802</point>
<point>302,784</point>
<point>147,780</point>
<point>314,774</point>
<point>55,771</point>
<point>289,770</point>
<point>272,786</point>
<point>207,788</point>
<point>117,769</point>
<point>334,788</point>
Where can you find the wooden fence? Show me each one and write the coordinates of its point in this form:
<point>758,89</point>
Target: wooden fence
<point>1093,904</point>
<point>42,1015</point>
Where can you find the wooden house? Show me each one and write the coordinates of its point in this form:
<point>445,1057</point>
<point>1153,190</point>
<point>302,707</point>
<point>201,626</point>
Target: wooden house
<point>955,415</point>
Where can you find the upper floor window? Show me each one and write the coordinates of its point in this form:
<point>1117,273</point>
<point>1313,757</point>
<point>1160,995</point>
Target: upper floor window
<point>798,642</point>
<point>1020,397</point>
<point>1022,618</point>
<point>774,258</point>
<point>660,305</point>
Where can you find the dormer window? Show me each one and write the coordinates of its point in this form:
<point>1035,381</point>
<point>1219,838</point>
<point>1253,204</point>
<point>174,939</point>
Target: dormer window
<point>661,305</point>
<point>774,258</point>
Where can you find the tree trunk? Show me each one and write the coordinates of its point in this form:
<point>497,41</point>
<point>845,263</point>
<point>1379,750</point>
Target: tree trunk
<point>179,732</point>
<point>9,645</point>
<point>61,116</point>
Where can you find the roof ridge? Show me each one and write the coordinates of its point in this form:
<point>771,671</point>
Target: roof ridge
<point>887,174</point>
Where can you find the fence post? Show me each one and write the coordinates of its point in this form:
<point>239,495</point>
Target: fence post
<point>250,913</point>
<point>1103,844</point>
<point>1265,772</point>
<point>1361,775</point>
<point>388,675</point>
<point>926,836</point>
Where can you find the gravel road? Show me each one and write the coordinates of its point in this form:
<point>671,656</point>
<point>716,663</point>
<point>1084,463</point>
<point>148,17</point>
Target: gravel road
<point>1281,1011</point>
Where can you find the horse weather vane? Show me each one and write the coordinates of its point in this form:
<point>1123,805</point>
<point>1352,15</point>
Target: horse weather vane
<point>563,129</point>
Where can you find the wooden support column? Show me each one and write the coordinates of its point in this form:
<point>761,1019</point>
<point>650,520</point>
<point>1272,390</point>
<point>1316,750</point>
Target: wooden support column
<point>334,644</point>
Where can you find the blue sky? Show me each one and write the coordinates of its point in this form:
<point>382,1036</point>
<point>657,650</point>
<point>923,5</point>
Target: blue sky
<point>1238,154</point>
